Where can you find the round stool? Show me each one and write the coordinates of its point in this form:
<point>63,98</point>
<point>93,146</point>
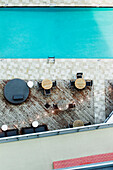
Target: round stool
<point>4,127</point>
<point>35,123</point>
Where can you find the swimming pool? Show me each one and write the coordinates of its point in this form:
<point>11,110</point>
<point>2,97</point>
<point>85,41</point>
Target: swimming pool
<point>59,32</point>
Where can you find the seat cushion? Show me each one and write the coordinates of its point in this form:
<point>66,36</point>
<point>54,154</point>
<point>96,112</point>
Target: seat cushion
<point>41,128</point>
<point>2,134</point>
<point>27,130</point>
<point>12,132</point>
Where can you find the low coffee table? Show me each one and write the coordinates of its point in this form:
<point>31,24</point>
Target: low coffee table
<point>16,91</point>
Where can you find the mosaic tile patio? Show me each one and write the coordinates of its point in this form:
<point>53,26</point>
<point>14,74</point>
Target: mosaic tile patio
<point>34,107</point>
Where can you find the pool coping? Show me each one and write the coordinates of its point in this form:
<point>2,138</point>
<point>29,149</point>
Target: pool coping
<point>54,6</point>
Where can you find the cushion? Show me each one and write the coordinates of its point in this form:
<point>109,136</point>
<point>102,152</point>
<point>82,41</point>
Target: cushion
<point>2,134</point>
<point>12,132</point>
<point>41,128</point>
<point>27,130</point>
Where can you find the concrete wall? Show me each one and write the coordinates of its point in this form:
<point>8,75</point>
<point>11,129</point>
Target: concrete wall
<point>39,154</point>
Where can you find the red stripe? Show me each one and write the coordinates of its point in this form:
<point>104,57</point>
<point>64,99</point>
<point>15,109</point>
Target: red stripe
<point>83,160</point>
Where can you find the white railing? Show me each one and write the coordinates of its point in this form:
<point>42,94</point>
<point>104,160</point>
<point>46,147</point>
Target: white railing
<point>55,132</point>
<point>109,119</point>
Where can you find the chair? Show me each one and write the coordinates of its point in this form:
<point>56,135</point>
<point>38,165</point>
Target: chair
<point>2,134</point>
<point>12,132</point>
<point>47,105</point>
<point>69,126</point>
<point>71,106</point>
<point>47,92</point>
<point>86,124</point>
<point>72,83</point>
<point>79,75</point>
<point>89,82</point>
<point>27,130</point>
<point>41,128</point>
<point>55,106</point>
<point>54,83</point>
<point>39,84</point>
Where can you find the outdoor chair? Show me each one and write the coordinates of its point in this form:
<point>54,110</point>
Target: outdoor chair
<point>86,124</point>
<point>89,82</point>
<point>69,126</point>
<point>79,75</point>
<point>47,92</point>
<point>47,105</point>
<point>72,83</point>
<point>39,84</point>
<point>55,106</point>
<point>71,106</point>
<point>54,83</point>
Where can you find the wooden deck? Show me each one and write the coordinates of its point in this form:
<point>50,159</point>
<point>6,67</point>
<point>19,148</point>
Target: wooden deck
<point>34,107</point>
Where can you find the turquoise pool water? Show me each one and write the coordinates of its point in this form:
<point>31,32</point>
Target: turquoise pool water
<point>59,32</point>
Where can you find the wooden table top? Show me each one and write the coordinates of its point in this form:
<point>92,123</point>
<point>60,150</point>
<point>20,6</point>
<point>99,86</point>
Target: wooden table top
<point>77,123</point>
<point>47,84</point>
<point>80,83</point>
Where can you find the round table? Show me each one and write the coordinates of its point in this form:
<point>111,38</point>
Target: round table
<point>35,123</point>
<point>80,83</point>
<point>78,123</point>
<point>16,91</point>
<point>62,105</point>
<point>4,127</point>
<point>47,84</point>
